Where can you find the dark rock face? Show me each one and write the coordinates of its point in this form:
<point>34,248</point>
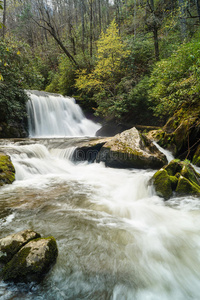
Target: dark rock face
<point>130,149</point>
<point>177,177</point>
<point>7,171</point>
<point>11,244</point>
<point>196,157</point>
<point>32,261</point>
<point>111,129</point>
<point>15,130</point>
<point>181,134</point>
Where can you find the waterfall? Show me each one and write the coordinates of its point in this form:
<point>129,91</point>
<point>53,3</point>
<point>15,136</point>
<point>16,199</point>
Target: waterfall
<point>54,115</point>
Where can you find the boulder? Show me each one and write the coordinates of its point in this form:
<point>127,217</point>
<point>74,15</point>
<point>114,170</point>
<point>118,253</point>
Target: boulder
<point>7,170</point>
<point>11,244</point>
<point>162,184</point>
<point>87,151</point>
<point>177,177</point>
<point>181,133</point>
<point>32,261</point>
<point>130,149</point>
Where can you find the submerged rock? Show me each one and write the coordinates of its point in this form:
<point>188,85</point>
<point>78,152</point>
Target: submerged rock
<point>130,149</point>
<point>7,170</point>
<point>11,244</point>
<point>179,177</point>
<point>32,261</point>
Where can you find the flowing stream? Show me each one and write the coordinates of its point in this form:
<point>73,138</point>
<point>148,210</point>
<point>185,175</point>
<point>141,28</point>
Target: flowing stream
<point>116,239</point>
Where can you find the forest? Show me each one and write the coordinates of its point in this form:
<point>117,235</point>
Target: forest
<point>131,61</point>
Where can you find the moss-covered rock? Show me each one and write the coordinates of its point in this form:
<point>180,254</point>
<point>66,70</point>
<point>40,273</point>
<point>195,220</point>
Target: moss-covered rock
<point>32,261</point>
<point>11,244</point>
<point>162,183</point>
<point>7,170</point>
<point>179,177</point>
<point>181,133</point>
<point>130,149</point>
<point>186,187</point>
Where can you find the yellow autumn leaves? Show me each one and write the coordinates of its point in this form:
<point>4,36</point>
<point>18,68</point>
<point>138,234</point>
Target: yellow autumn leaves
<point>110,53</point>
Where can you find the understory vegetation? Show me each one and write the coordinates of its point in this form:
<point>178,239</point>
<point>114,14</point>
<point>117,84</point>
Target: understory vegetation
<point>133,61</point>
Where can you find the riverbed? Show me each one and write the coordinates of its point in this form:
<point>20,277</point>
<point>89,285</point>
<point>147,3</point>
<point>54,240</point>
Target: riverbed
<point>117,240</point>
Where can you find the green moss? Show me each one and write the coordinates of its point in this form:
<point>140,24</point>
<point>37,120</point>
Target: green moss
<point>189,173</point>
<point>173,167</point>
<point>16,269</point>
<point>7,171</point>
<point>162,184</point>
<point>23,269</point>
<point>185,187</point>
<point>174,181</point>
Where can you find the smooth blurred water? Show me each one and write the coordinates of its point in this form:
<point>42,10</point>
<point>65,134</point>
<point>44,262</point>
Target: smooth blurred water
<point>52,115</point>
<point>116,239</point>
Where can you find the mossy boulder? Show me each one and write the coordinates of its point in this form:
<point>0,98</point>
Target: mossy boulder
<point>11,244</point>
<point>32,261</point>
<point>177,177</point>
<point>130,149</point>
<point>181,133</point>
<point>7,170</point>
<point>162,184</point>
<point>186,187</point>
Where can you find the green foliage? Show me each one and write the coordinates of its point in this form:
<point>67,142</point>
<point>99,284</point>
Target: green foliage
<point>63,81</point>
<point>176,80</point>
<point>107,71</point>
<point>16,74</point>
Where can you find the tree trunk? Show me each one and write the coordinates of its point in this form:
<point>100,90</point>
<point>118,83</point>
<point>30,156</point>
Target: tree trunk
<point>4,19</point>
<point>155,31</point>
<point>182,6</point>
<point>198,8</point>
<point>91,28</point>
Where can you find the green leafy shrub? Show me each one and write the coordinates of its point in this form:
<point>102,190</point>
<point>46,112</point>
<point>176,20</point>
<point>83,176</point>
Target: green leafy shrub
<point>176,80</point>
<point>16,74</point>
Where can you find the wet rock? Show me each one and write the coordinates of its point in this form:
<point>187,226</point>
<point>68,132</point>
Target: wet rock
<point>130,149</point>
<point>11,244</point>
<point>181,133</point>
<point>162,184</point>
<point>32,261</point>
<point>179,177</point>
<point>7,170</point>
<point>87,151</point>
<point>187,187</point>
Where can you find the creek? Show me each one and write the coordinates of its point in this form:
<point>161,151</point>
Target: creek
<point>117,240</point>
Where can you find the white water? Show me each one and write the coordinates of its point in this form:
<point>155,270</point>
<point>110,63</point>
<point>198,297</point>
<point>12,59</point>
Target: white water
<point>55,116</point>
<point>116,239</point>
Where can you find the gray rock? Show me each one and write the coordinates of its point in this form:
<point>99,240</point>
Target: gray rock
<point>32,261</point>
<point>11,244</point>
<point>130,149</point>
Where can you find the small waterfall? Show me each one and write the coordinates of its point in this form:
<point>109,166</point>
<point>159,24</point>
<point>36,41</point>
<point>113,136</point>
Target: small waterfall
<point>57,116</point>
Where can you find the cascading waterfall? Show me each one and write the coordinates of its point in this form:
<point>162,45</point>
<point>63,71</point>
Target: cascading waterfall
<point>52,115</point>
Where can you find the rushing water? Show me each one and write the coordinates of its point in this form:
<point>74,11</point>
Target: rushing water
<point>54,115</point>
<point>116,239</point>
